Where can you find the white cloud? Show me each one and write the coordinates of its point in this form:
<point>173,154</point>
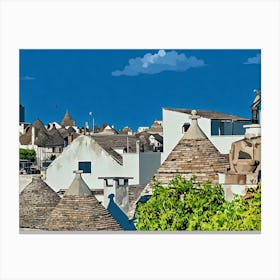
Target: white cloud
<point>254,60</point>
<point>27,78</point>
<point>159,62</point>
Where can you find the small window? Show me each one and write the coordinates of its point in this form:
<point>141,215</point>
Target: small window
<point>85,166</point>
<point>185,127</point>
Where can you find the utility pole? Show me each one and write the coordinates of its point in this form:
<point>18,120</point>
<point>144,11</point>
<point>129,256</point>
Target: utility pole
<point>90,113</point>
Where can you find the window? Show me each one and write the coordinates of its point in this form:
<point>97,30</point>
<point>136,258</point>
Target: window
<point>228,127</point>
<point>185,127</point>
<point>85,166</point>
<point>215,127</point>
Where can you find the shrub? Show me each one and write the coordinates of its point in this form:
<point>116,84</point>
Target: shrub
<point>27,154</point>
<point>183,205</point>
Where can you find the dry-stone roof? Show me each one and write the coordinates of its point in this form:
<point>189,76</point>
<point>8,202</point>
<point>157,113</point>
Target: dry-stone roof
<point>67,120</point>
<point>156,127</point>
<point>125,130</point>
<point>43,137</point>
<point>50,138</point>
<point>79,210</point>
<point>193,155</point>
<point>134,192</point>
<point>38,125</point>
<point>25,139</point>
<point>108,130</point>
<point>36,202</point>
<point>111,142</point>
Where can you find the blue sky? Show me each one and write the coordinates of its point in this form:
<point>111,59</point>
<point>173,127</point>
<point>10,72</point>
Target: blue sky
<point>130,87</point>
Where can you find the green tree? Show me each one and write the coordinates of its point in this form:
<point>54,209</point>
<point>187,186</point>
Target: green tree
<point>183,205</point>
<point>27,154</point>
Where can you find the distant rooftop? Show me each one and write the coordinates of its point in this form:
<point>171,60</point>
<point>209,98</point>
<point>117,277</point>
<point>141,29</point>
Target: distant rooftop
<point>118,141</point>
<point>209,114</point>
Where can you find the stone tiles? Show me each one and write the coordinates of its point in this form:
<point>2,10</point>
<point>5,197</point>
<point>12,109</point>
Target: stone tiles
<point>67,120</point>
<point>111,142</point>
<point>79,210</point>
<point>134,192</point>
<point>190,157</point>
<point>36,202</point>
<point>193,155</point>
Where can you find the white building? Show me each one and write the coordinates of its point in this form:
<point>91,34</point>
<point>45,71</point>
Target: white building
<point>103,156</point>
<point>221,129</point>
<point>142,128</point>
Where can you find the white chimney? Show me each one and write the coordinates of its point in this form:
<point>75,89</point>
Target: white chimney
<point>32,135</point>
<point>252,130</point>
<point>118,186</point>
<point>137,146</point>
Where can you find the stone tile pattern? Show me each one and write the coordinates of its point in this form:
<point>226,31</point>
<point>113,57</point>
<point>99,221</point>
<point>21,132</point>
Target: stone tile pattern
<point>80,213</point>
<point>67,120</point>
<point>134,193</point>
<point>197,157</point>
<point>36,202</point>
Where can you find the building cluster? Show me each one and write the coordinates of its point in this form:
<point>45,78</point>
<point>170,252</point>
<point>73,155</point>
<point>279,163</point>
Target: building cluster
<point>50,140</point>
<point>114,170</point>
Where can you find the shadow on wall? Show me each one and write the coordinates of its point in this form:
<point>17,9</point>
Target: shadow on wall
<point>119,215</point>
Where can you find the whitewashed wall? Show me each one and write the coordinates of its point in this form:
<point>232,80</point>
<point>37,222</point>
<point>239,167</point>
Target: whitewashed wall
<point>172,132</point>
<point>131,167</point>
<point>223,143</point>
<point>59,174</point>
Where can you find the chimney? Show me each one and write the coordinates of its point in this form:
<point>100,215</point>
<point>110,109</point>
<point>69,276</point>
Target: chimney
<point>137,146</point>
<point>252,130</point>
<point>118,186</point>
<point>70,138</point>
<point>32,135</point>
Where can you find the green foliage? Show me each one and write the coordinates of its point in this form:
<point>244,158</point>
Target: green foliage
<point>27,154</point>
<point>182,205</point>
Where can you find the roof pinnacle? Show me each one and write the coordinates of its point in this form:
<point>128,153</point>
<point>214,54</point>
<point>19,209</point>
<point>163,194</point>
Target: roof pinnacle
<point>194,131</point>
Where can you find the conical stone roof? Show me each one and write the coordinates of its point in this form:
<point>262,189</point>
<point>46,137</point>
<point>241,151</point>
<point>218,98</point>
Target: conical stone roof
<point>79,210</point>
<point>36,202</point>
<point>67,120</point>
<point>193,155</point>
<point>156,128</point>
<point>38,125</point>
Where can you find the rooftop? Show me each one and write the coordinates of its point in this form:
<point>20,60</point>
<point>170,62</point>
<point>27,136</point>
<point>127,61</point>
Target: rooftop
<point>209,114</point>
<point>117,141</point>
<point>79,210</point>
<point>193,155</point>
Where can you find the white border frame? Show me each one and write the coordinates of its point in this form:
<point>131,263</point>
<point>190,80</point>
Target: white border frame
<point>139,24</point>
